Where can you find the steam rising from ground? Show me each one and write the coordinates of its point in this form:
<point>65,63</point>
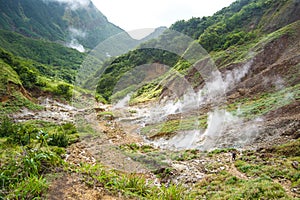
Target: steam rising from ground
<point>74,44</point>
<point>75,34</point>
<point>223,130</point>
<point>212,92</point>
<point>227,130</point>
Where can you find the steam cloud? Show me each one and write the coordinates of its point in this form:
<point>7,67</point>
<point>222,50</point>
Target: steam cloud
<point>74,34</point>
<point>224,129</point>
<point>73,4</point>
<point>74,44</point>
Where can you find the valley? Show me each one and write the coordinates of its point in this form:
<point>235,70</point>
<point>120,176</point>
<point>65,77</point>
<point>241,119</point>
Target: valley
<point>206,109</point>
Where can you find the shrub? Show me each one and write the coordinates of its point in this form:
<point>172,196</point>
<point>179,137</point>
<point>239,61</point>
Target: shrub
<point>28,78</point>
<point>69,128</point>
<point>64,90</point>
<point>7,127</point>
<point>59,139</point>
<point>21,176</point>
<point>22,134</point>
<point>30,188</point>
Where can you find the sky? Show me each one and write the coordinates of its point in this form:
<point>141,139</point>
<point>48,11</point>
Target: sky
<point>139,14</point>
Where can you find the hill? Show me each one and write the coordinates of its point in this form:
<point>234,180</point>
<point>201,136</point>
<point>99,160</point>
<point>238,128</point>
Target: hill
<point>61,61</point>
<point>236,28</point>
<point>78,24</point>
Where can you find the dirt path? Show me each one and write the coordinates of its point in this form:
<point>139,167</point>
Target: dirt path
<point>234,171</point>
<point>100,147</point>
<point>71,186</point>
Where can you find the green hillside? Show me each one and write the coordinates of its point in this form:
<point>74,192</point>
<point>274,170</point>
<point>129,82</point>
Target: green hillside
<point>23,80</point>
<point>51,59</point>
<point>56,22</point>
<point>242,21</point>
<point>237,28</point>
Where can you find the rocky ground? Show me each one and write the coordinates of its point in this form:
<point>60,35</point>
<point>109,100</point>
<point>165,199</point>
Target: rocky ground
<point>103,146</point>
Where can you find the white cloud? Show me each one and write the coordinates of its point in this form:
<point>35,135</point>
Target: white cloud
<point>73,4</point>
<point>137,14</point>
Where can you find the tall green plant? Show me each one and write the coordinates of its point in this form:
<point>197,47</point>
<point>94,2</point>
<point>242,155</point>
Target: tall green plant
<point>6,128</point>
<point>59,139</point>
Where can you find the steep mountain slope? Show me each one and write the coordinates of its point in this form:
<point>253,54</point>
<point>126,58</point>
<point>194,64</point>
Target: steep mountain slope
<point>110,48</point>
<point>35,41</point>
<point>23,81</point>
<point>52,59</point>
<point>240,22</point>
<point>236,28</point>
<point>76,23</point>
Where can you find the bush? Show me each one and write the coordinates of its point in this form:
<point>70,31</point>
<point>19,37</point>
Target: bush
<point>22,134</point>
<point>59,150</point>
<point>69,128</point>
<point>28,78</point>
<point>22,175</point>
<point>30,188</point>
<point>7,127</point>
<point>64,90</point>
<point>59,139</point>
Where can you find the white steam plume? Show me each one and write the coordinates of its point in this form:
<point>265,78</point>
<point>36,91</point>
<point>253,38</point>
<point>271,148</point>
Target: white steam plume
<point>74,34</point>
<point>74,44</point>
<point>225,130</point>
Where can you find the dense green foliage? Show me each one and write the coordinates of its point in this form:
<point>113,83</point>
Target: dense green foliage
<point>26,157</point>
<point>55,21</point>
<point>34,65</point>
<point>50,59</point>
<point>26,133</point>
<point>23,73</point>
<point>22,176</point>
<point>26,72</point>
<point>240,22</point>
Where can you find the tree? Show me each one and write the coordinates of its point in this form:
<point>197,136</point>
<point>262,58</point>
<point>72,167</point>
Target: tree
<point>64,90</point>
